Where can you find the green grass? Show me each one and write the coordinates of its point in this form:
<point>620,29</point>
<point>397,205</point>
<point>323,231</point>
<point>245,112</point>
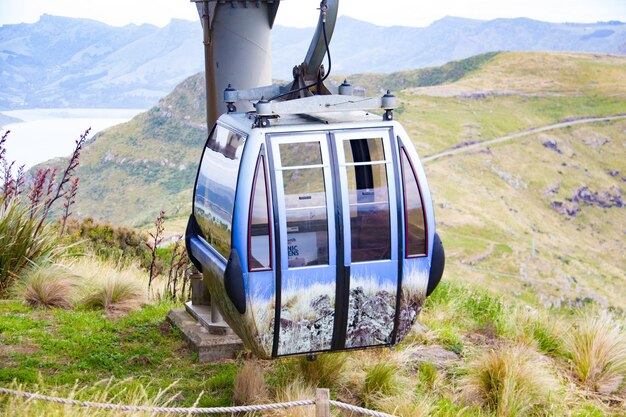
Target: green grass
<point>447,73</point>
<point>85,346</point>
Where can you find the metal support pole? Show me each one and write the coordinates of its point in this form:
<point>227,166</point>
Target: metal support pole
<point>199,292</point>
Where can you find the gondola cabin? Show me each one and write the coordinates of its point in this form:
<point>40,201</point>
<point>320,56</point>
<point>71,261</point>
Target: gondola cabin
<point>314,232</point>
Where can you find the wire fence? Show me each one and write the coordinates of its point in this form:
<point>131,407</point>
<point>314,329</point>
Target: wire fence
<point>322,403</point>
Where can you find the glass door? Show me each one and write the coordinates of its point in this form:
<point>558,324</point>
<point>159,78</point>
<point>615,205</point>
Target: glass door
<point>303,193</point>
<point>367,180</point>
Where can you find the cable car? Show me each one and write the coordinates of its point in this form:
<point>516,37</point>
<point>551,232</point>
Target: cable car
<point>315,233</point>
<point>312,219</point>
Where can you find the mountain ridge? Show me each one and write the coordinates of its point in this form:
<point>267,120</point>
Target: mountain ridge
<point>72,62</point>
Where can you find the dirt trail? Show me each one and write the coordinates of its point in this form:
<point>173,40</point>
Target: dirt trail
<point>519,135</point>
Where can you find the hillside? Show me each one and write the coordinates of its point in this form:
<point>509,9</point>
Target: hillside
<point>70,62</point>
<point>129,172</point>
<point>542,216</point>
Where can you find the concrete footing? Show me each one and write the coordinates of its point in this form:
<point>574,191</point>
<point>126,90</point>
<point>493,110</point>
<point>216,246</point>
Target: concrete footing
<point>213,342</point>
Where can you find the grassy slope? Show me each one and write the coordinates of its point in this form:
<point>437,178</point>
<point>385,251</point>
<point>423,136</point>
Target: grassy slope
<point>132,171</point>
<point>84,347</point>
<point>493,207</point>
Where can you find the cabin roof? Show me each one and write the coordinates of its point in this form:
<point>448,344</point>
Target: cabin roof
<point>244,121</point>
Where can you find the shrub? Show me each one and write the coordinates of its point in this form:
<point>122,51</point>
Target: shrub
<point>23,241</point>
<point>249,385</point>
<point>597,348</point>
<point>47,286</point>
<point>118,244</point>
<point>509,381</point>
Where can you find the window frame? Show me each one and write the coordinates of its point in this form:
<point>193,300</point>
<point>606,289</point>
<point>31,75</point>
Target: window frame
<point>260,161</point>
<point>407,255</point>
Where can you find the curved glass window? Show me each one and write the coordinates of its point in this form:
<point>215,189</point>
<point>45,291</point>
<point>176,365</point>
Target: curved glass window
<point>214,199</point>
<point>259,238</point>
<point>368,193</point>
<point>413,210</point>
<point>305,204</point>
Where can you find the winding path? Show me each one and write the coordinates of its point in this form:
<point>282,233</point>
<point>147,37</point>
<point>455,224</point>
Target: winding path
<point>521,134</point>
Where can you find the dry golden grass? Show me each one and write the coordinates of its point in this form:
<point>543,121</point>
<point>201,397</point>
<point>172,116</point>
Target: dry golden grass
<point>371,377</point>
<point>295,391</point>
<point>510,380</point>
<point>597,347</point>
<point>109,287</point>
<point>47,286</point>
<point>405,405</point>
<point>249,385</point>
<point>135,395</point>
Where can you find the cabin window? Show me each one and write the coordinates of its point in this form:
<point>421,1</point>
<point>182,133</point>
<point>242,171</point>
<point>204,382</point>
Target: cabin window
<point>305,204</point>
<point>214,198</point>
<point>413,209</point>
<point>259,240</point>
<point>366,170</point>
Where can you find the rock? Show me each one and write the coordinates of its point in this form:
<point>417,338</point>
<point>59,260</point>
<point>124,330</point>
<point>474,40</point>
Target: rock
<point>370,318</point>
<point>613,172</point>
<point>584,196</point>
<point>605,199</point>
<point>435,354</point>
<point>567,208</point>
<point>551,144</point>
<point>514,181</point>
<point>553,190</point>
<point>321,303</point>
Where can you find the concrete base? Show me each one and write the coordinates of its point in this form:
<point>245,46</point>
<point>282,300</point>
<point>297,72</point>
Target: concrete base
<point>206,316</point>
<point>210,347</point>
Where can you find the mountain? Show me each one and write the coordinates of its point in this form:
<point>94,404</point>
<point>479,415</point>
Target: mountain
<point>69,62</point>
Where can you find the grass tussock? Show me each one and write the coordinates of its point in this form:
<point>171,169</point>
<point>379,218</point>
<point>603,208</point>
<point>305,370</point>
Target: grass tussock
<point>24,242</point>
<point>295,391</point>
<point>510,380</point>
<point>597,349</point>
<point>105,391</point>
<point>324,372</point>
<point>115,294</point>
<point>381,380</point>
<point>405,405</point>
<point>538,328</point>
<point>249,385</point>
<point>47,286</point>
<point>108,287</point>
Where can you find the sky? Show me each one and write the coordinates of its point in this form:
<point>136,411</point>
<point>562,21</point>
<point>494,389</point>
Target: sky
<point>302,13</point>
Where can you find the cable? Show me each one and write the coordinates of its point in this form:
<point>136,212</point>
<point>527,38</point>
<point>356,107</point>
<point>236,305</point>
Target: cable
<point>317,83</point>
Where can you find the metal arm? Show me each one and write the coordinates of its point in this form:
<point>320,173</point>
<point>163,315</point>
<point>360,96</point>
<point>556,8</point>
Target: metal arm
<point>317,49</point>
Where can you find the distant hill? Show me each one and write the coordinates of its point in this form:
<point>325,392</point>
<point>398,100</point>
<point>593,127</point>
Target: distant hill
<point>70,62</point>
